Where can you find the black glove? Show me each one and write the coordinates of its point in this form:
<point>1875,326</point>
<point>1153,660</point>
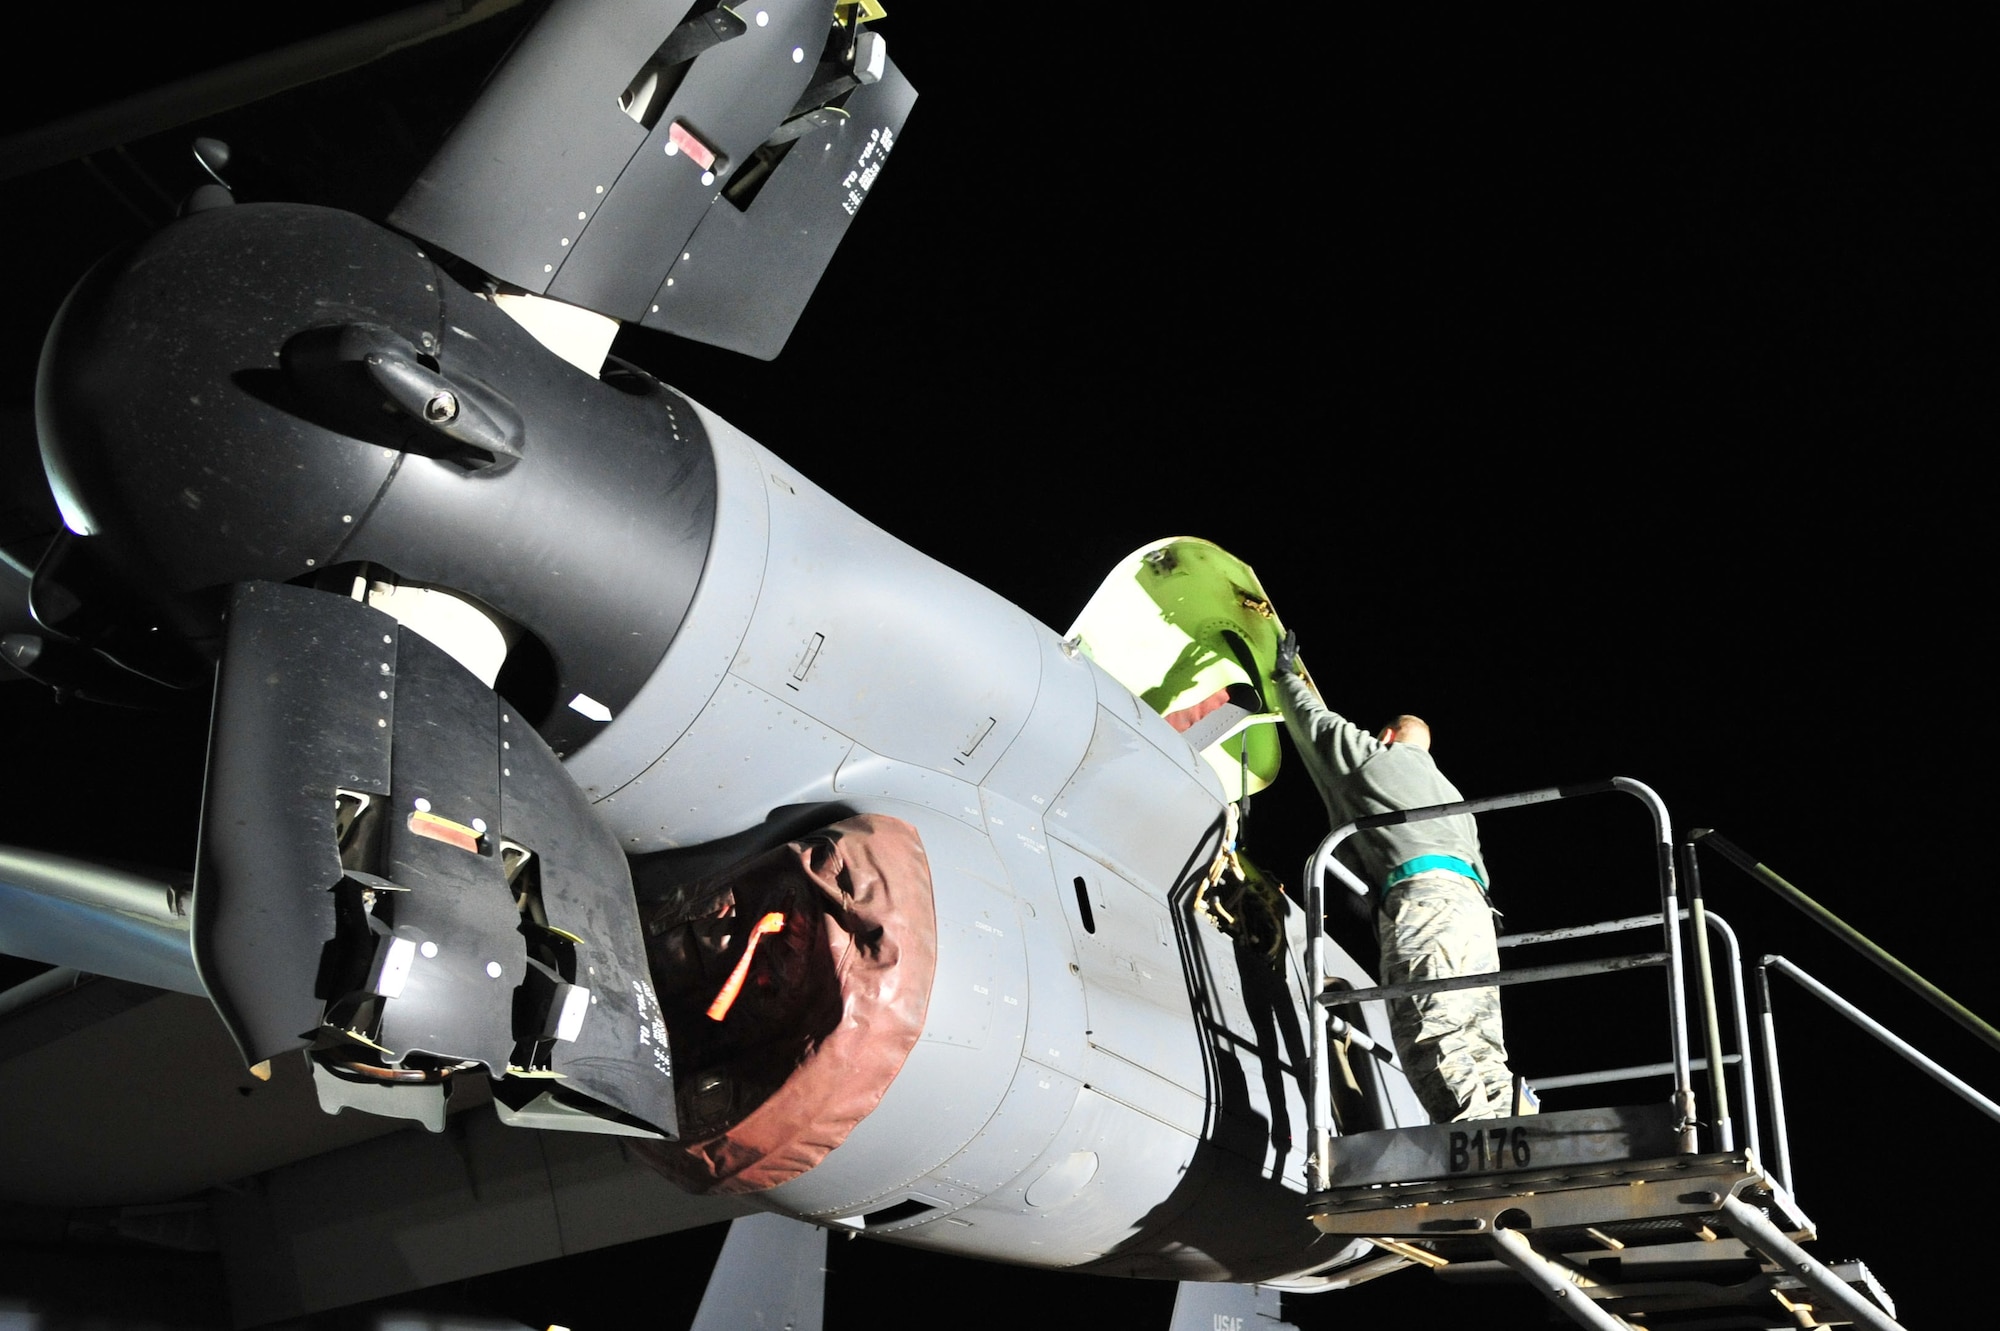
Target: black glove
<point>1288,654</point>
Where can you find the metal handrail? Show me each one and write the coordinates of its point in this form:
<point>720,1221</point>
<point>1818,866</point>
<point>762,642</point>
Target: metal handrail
<point>1567,931</point>
<point>1562,970</point>
<point>1319,1109</point>
<point>1746,1221</point>
<point>1908,1051</point>
<point>1362,1040</point>
<point>1635,1072</point>
<point>1745,1073</point>
<point>1848,934</point>
<point>1738,1007</point>
<point>1781,1140</point>
<point>1711,1028</point>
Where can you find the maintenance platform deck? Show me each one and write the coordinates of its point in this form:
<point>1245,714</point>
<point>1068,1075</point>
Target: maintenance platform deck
<point>1590,1202</point>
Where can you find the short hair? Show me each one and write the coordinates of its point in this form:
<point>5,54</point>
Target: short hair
<point>1413,731</point>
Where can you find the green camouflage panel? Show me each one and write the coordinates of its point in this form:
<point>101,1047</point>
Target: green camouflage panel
<point>1433,926</point>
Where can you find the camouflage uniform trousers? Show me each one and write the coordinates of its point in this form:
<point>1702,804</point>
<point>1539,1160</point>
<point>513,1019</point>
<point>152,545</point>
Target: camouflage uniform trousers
<point>1435,925</point>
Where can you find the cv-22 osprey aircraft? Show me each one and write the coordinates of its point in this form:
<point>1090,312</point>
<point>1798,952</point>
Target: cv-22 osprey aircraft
<point>575,756</point>
<point>572,751</point>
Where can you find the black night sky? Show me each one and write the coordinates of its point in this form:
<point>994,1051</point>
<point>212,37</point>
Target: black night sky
<point>1612,397</point>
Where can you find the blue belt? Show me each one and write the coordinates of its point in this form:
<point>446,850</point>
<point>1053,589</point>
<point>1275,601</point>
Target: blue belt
<point>1429,863</point>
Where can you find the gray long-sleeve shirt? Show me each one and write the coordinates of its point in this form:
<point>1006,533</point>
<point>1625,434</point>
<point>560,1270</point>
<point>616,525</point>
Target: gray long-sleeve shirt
<point>1358,775</point>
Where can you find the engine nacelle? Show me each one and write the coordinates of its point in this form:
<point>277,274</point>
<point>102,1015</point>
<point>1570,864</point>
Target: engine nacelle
<point>1092,1075</point>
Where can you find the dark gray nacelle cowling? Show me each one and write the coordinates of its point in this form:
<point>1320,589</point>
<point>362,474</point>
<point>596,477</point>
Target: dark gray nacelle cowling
<point>397,870</point>
<point>268,391</point>
<point>671,164</point>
